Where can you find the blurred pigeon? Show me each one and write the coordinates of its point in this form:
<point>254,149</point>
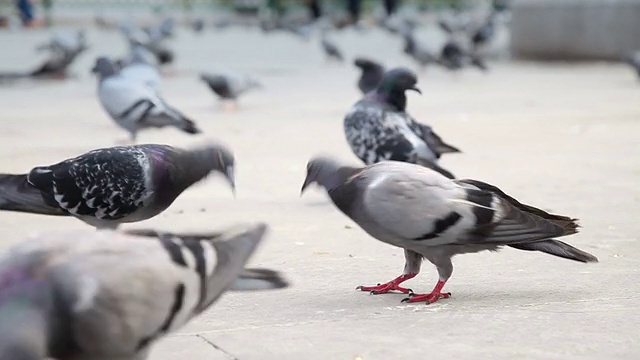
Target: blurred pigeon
<point>330,48</point>
<point>435,218</point>
<point>372,73</point>
<point>64,48</point>
<point>634,61</point>
<point>110,295</point>
<point>453,57</point>
<point>229,85</point>
<point>151,38</point>
<point>485,32</point>
<point>134,105</point>
<point>417,51</point>
<point>140,69</point>
<point>198,25</point>
<point>110,186</point>
<point>378,127</point>
<point>69,42</point>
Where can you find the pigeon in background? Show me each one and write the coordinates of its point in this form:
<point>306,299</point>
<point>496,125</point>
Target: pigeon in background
<point>198,25</point>
<point>330,49</point>
<point>372,73</point>
<point>110,295</point>
<point>151,38</point>
<point>69,42</point>
<point>134,105</point>
<point>454,57</point>
<point>64,48</point>
<point>417,51</point>
<point>634,61</point>
<point>485,33</point>
<point>110,186</point>
<point>378,127</point>
<point>435,218</point>
<point>229,85</point>
<point>139,68</point>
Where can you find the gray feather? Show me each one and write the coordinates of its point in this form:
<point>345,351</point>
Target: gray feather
<point>121,292</point>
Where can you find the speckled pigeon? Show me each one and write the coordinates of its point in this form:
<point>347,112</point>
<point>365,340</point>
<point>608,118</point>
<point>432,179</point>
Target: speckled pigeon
<point>379,128</point>
<point>432,217</point>
<point>107,187</point>
<point>108,295</point>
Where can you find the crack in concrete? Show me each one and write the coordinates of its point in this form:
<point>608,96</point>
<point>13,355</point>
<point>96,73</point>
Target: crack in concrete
<point>226,353</point>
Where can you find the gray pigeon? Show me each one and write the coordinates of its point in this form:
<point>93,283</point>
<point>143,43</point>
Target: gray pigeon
<point>378,127</point>
<point>110,295</point>
<point>435,218</point>
<point>107,187</point>
<point>372,73</point>
<point>229,85</point>
<point>69,42</point>
<point>417,51</point>
<point>134,105</point>
<point>64,48</point>
<point>453,57</point>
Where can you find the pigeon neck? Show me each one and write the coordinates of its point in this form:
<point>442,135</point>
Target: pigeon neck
<point>188,167</point>
<point>396,98</point>
<point>333,180</point>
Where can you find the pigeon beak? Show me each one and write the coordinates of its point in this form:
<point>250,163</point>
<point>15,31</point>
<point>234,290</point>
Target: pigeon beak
<point>414,88</point>
<point>305,185</point>
<point>229,174</point>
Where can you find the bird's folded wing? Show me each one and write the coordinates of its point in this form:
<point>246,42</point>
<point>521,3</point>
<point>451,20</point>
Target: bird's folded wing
<point>418,205</point>
<point>124,98</point>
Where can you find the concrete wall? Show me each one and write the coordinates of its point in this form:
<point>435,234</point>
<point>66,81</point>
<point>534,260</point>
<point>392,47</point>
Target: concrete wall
<point>575,29</point>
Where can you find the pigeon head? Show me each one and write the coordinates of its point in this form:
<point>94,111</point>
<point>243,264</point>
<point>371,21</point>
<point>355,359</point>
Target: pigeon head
<point>394,84</point>
<point>104,67</point>
<point>223,162</point>
<point>321,170</point>
<point>187,167</point>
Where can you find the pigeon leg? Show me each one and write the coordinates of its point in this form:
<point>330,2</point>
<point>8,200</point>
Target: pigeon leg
<point>431,297</point>
<point>389,286</point>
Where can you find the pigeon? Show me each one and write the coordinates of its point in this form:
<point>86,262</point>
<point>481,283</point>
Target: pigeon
<point>110,186</point>
<point>198,25</point>
<point>151,38</point>
<point>134,105</point>
<point>417,51</point>
<point>111,295</point>
<point>330,48</point>
<point>435,218</point>
<point>64,48</point>
<point>378,127</point>
<point>229,86</point>
<point>372,73</point>
<point>140,69</point>
<point>634,61</point>
<point>453,57</point>
<point>69,42</point>
<point>485,32</point>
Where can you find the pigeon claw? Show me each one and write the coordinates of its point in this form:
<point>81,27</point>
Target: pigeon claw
<point>429,298</point>
<point>385,288</point>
